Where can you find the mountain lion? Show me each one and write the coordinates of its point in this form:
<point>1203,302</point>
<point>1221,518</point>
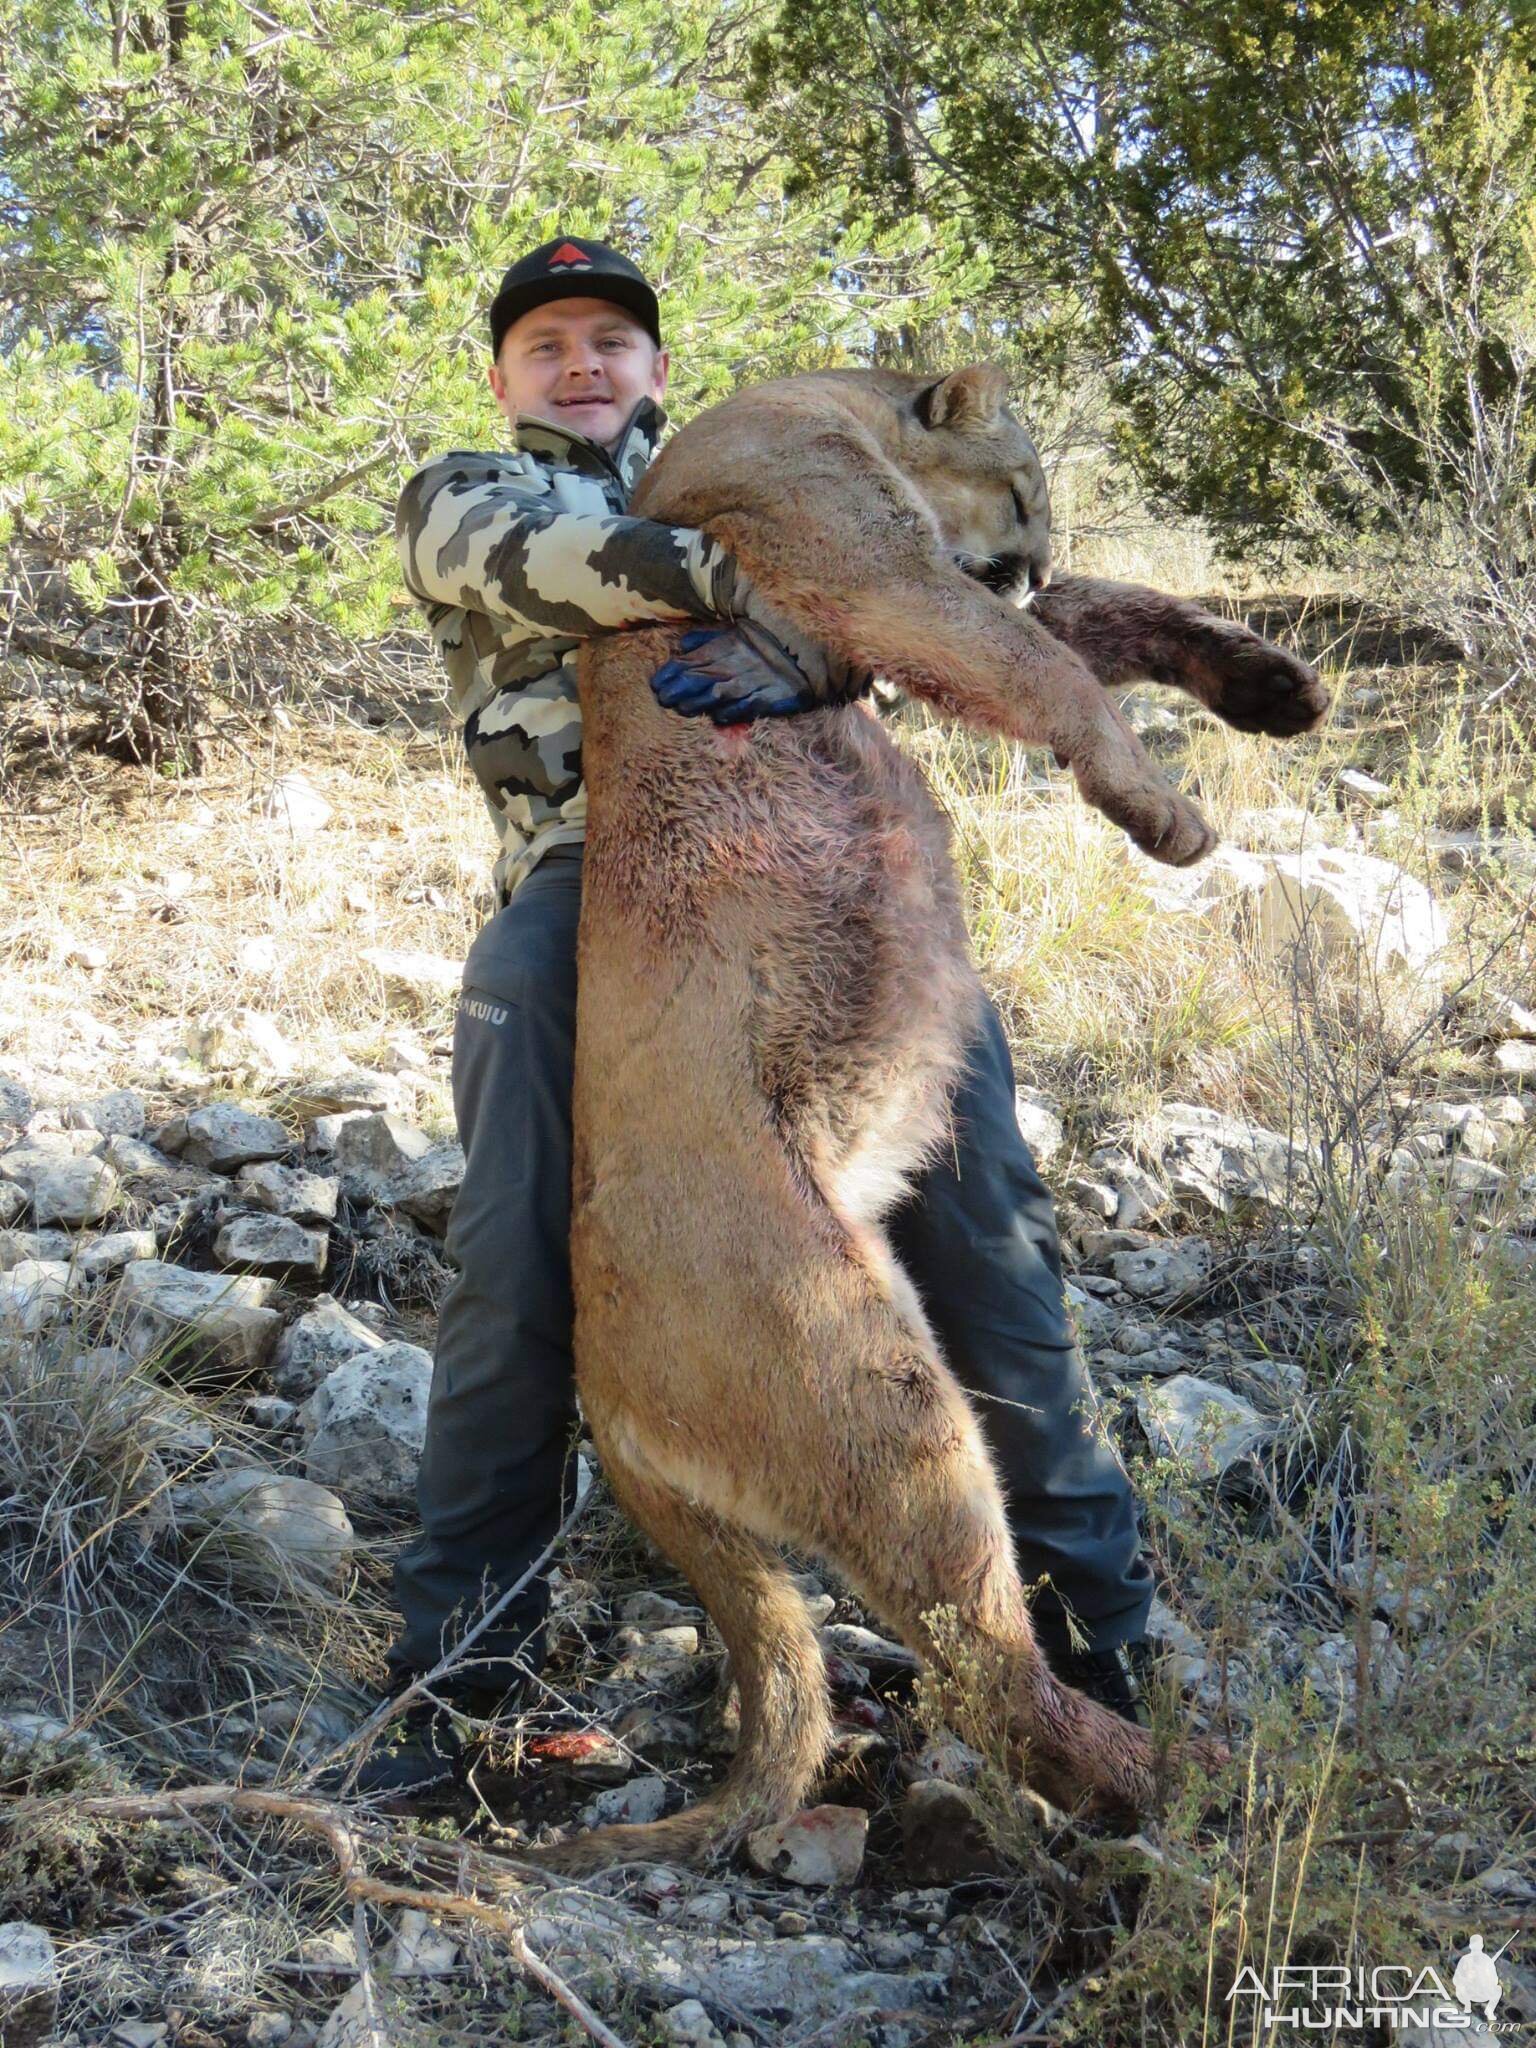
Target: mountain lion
<point>775,990</point>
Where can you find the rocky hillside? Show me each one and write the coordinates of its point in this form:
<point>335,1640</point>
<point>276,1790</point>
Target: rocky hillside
<point>1283,1103</point>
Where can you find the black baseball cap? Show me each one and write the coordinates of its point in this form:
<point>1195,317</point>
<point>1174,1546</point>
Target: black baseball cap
<point>570,267</point>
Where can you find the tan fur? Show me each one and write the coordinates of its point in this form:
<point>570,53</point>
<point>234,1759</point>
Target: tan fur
<point>775,991</point>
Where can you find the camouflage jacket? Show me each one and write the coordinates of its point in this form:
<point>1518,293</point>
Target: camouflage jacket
<point>517,559</point>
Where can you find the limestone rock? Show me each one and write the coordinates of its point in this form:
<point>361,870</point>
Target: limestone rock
<point>822,1845</point>
<point>17,1245</point>
<point>637,1801</point>
<point>290,1191</point>
<point>428,1190</point>
<point>1223,1163</point>
<point>273,1527</point>
<point>62,1189</point>
<point>16,1104</point>
<point>1349,907</point>
<point>419,1949</point>
<point>365,1424</point>
<point>1206,1427</point>
<point>13,1202</point>
<point>199,1320</point>
<point>414,974</point>
<point>316,1344</point>
<point>271,1244</point>
<point>294,803</point>
<point>98,1258</point>
<point>1163,1273</point>
<point>688,2025</point>
<point>338,1094</point>
<point>1040,1126</point>
<point>1515,1056</point>
<point>224,1137</point>
<point>241,1042</point>
<point>120,1113</point>
<point>33,1295</point>
<point>1139,1198</point>
<point>29,1985</point>
<point>375,1152</point>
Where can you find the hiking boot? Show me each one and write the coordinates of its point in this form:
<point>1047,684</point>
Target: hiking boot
<point>1117,1678</point>
<point>422,1750</point>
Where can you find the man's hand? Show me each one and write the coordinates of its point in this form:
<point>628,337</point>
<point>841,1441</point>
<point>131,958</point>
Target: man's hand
<point>740,672</point>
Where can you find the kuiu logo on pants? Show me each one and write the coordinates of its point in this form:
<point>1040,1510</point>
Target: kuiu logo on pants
<point>482,1012</point>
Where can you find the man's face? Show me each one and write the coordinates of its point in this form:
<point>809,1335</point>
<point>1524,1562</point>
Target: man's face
<point>583,363</point>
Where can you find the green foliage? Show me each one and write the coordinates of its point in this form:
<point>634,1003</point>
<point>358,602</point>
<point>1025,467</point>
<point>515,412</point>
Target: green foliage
<point>247,261</point>
<point>1301,236</point>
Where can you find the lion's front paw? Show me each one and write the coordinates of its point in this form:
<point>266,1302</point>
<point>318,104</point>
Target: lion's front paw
<point>1169,829</point>
<point>1258,687</point>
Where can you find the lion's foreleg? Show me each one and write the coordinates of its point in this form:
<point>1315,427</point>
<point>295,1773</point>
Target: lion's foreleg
<point>1127,633</point>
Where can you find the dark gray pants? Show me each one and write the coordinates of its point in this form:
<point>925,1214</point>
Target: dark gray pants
<point>977,1235</point>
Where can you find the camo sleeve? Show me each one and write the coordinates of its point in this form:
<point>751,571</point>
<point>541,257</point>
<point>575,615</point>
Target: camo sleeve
<point>521,543</point>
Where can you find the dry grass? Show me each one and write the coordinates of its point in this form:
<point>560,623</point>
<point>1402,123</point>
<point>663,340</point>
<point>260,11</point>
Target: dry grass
<point>136,908</point>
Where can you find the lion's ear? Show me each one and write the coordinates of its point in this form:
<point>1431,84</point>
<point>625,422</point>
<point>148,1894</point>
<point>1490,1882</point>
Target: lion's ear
<point>972,397</point>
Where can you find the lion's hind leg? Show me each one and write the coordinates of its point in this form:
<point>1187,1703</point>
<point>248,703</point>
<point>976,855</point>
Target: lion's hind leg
<point>776,1662</point>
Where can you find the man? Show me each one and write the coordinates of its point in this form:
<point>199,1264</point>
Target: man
<point>518,558</point>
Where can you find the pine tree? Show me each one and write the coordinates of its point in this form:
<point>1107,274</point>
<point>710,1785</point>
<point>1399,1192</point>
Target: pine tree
<point>247,252</point>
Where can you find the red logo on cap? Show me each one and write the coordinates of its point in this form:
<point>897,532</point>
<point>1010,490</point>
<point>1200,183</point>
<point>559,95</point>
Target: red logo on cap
<point>568,254</point>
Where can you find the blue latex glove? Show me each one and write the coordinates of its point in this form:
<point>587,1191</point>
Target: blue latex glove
<point>740,672</point>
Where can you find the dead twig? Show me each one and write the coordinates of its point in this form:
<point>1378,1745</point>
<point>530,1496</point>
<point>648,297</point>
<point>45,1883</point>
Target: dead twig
<point>333,1825</point>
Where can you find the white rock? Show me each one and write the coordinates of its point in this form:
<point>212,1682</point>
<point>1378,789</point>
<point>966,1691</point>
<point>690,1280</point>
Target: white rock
<point>1096,1196</point>
<point>62,1189</point>
<point>117,1114</point>
<point>638,1801</point>
<point>419,1949</point>
<point>268,2029</point>
<point>1517,1020</point>
<point>690,2026</point>
<point>290,1191</point>
<point>16,1104</point>
<point>428,1190</point>
<point>365,1424</point>
<point>1139,1197</point>
<point>33,1295</point>
<point>29,1985</point>
<point>1040,1126</point>
<point>294,803</point>
<point>316,1344</point>
<point>348,2024</point>
<point>273,1526</point>
<point>271,1244</point>
<point>224,1137</point>
<point>13,1201</point>
<point>1365,788</point>
<point>379,1147</point>
<point>333,1094</point>
<point>240,1042</point>
<point>1333,1666</point>
<point>1515,1056</point>
<point>1163,1273</point>
<point>1224,1163</point>
<point>1206,1427</point>
<point>820,1846</point>
<point>1350,907</point>
<point>197,1319</point>
<point>258,955</point>
<point>98,1258</point>
<point>948,1759</point>
<point>414,974</point>
<point>21,1733</point>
